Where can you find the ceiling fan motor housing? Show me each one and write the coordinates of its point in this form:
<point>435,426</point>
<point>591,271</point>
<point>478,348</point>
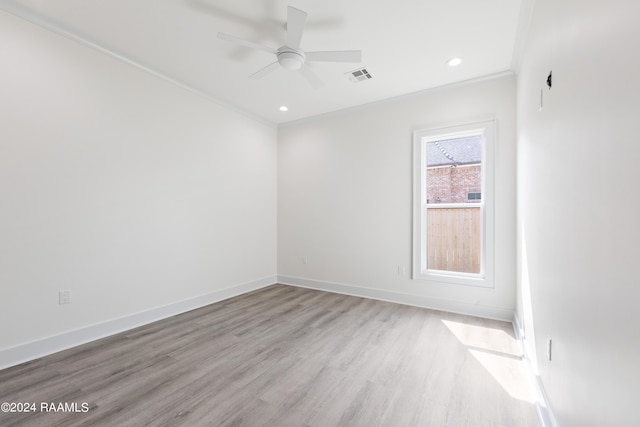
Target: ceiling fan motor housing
<point>290,59</point>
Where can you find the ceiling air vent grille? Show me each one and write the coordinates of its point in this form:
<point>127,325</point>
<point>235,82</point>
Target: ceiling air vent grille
<point>359,75</point>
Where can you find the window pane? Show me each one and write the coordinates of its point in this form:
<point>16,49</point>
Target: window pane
<point>454,176</point>
<point>453,239</point>
<point>454,170</point>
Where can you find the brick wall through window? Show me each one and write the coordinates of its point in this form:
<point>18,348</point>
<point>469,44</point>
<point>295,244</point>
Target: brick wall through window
<point>447,184</point>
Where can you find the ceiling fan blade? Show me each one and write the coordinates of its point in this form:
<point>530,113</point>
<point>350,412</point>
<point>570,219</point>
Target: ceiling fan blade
<point>295,26</point>
<point>246,43</point>
<point>311,77</point>
<point>264,71</point>
<point>334,56</point>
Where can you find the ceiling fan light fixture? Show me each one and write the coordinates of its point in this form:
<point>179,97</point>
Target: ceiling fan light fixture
<point>454,62</point>
<point>291,60</point>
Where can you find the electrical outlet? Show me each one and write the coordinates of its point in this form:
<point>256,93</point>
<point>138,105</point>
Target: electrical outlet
<point>64,297</point>
<point>305,259</point>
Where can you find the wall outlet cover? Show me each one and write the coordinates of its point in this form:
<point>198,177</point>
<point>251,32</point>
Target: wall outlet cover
<point>64,296</point>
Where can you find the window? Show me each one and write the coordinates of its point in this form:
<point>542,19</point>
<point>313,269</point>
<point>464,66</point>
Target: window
<point>474,197</point>
<point>453,204</point>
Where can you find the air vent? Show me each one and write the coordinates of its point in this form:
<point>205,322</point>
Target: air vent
<point>359,75</point>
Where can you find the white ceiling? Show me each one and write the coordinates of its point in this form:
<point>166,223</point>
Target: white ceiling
<point>405,45</point>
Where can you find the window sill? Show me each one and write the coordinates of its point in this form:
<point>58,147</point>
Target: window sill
<point>475,280</point>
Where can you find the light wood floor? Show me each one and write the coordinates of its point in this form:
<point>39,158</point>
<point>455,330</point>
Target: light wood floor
<point>286,356</point>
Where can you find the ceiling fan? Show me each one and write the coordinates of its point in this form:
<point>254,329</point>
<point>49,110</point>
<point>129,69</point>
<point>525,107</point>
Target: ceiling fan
<point>290,56</point>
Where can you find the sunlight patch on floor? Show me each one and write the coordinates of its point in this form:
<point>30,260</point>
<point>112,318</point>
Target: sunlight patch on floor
<point>500,355</point>
<point>484,337</point>
<point>508,372</point>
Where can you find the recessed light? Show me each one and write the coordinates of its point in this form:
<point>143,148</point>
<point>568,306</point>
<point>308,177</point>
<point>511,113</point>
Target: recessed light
<point>284,108</point>
<point>454,62</point>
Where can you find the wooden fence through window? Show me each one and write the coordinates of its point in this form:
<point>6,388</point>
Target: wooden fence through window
<point>453,239</point>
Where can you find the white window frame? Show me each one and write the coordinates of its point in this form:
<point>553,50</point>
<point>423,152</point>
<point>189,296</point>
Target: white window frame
<point>487,239</point>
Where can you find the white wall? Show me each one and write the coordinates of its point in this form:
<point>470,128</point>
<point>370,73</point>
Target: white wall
<point>121,187</point>
<point>345,197</point>
<point>578,188</point>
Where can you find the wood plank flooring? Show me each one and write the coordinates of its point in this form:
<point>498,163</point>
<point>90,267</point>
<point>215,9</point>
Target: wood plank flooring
<point>285,356</point>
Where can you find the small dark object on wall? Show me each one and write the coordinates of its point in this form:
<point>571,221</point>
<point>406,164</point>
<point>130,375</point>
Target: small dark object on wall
<point>549,82</point>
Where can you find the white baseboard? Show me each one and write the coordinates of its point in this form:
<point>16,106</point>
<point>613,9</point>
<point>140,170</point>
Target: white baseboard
<point>36,349</point>
<point>543,407</point>
<point>442,304</point>
<point>517,327</point>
